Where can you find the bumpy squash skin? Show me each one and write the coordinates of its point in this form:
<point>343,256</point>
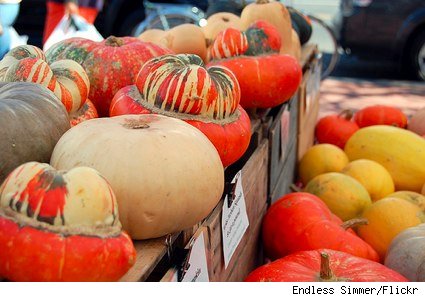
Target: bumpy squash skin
<point>400,151</point>
<point>344,195</point>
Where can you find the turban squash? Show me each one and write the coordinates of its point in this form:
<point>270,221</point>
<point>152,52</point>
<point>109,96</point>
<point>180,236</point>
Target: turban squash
<point>67,79</point>
<point>266,78</point>
<point>180,86</point>
<point>61,226</point>
<point>110,64</point>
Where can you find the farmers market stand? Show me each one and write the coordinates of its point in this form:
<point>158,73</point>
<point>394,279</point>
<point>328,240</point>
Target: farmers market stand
<point>279,137</point>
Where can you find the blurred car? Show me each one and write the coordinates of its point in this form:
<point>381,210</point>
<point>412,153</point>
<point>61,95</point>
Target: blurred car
<point>118,17</point>
<point>384,29</point>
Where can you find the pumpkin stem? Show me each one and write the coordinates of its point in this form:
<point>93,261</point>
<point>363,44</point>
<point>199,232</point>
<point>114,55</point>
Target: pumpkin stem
<point>225,19</point>
<point>295,188</point>
<point>346,114</point>
<point>325,268</point>
<point>114,41</point>
<point>135,124</point>
<point>208,42</point>
<point>262,1</point>
<point>354,223</point>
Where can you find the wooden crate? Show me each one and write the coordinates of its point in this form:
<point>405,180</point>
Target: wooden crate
<point>309,93</point>
<point>282,135</point>
<point>247,255</point>
<point>287,176</point>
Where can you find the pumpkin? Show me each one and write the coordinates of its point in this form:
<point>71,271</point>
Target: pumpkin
<point>167,176</point>
<point>61,226</point>
<point>373,176</point>
<point>380,115</point>
<point>262,38</point>
<point>32,119</point>
<point>67,79</point>
<point>180,86</point>
<point>219,22</point>
<point>273,12</point>
<point>321,158</point>
<point>323,266</point>
<point>230,42</point>
<point>416,122</point>
<point>410,196</point>
<point>265,81</point>
<point>86,112</point>
<point>181,39</point>
<point>405,254</point>
<point>400,151</point>
<point>387,218</point>
<point>345,196</point>
<point>336,129</point>
<point>301,221</point>
<point>110,64</point>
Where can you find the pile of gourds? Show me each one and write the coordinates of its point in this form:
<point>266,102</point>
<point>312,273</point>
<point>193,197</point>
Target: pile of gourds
<point>361,193</point>
<point>104,142</point>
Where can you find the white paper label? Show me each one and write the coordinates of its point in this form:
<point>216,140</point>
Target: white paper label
<point>198,268</point>
<point>234,220</point>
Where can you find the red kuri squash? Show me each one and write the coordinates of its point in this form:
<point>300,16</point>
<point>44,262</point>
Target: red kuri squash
<point>336,129</point>
<point>324,266</point>
<point>301,221</point>
<point>380,115</point>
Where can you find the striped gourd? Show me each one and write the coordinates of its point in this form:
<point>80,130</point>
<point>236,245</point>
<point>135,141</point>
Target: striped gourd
<point>181,86</point>
<point>61,226</point>
<point>229,43</point>
<point>66,78</point>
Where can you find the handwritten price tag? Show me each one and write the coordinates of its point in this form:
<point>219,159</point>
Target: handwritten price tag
<point>234,220</point>
<point>197,269</point>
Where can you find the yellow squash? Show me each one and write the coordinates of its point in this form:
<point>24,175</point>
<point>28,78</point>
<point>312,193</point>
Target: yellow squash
<point>321,158</point>
<point>400,151</point>
<point>344,195</point>
<point>373,176</point>
<point>387,218</point>
<point>410,196</point>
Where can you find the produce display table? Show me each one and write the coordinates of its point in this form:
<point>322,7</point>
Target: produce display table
<point>267,168</point>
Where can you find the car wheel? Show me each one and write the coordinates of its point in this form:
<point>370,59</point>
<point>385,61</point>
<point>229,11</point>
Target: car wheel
<point>129,25</point>
<point>417,57</point>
